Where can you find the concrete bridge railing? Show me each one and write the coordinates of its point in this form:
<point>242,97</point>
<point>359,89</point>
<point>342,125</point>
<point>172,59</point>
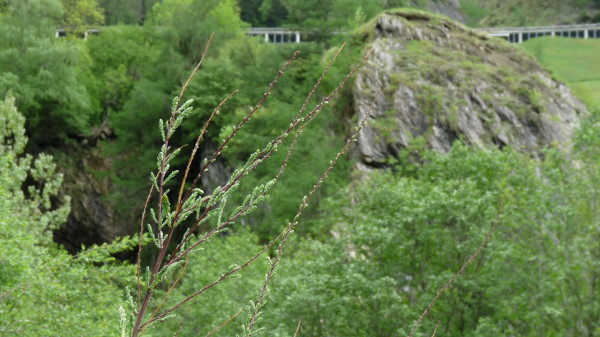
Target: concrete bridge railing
<point>522,34</point>
<point>511,34</point>
<point>270,35</point>
<point>275,35</point>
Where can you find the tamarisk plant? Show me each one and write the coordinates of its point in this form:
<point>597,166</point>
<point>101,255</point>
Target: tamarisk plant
<point>194,208</point>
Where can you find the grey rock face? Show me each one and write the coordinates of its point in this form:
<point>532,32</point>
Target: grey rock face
<point>435,79</point>
<point>92,219</point>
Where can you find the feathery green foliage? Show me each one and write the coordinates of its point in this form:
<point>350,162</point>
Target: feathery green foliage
<point>43,290</point>
<point>402,236</point>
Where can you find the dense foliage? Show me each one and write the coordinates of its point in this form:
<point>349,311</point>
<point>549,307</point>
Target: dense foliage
<point>404,235</point>
<point>44,291</point>
<point>371,252</point>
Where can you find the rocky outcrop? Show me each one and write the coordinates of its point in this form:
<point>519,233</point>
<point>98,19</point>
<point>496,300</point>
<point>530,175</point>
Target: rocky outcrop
<point>433,79</point>
<point>93,219</point>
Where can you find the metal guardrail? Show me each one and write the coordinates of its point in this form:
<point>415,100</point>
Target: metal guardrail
<point>61,32</point>
<point>275,35</point>
<point>522,34</point>
<point>511,34</point>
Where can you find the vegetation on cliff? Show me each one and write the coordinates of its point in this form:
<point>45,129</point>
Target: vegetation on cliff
<point>433,79</point>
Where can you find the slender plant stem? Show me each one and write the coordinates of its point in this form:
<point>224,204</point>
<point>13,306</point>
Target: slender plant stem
<point>298,327</point>
<point>211,203</point>
<point>225,323</point>
<point>284,235</point>
<point>435,330</point>
<point>142,308</point>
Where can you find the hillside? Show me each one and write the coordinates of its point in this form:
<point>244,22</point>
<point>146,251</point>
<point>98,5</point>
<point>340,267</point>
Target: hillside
<point>573,61</point>
<point>515,13</point>
<point>335,15</point>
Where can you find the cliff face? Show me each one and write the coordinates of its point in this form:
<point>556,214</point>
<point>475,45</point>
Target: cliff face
<point>92,219</point>
<point>95,217</point>
<point>430,77</point>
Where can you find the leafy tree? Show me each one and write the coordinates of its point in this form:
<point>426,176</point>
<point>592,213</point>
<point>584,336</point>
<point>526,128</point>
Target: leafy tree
<point>322,20</point>
<point>120,57</point>
<point>535,277</point>
<point>43,72</point>
<point>334,294</point>
<point>81,13</point>
<point>193,21</point>
<point>44,291</point>
<point>128,12</point>
<point>263,13</point>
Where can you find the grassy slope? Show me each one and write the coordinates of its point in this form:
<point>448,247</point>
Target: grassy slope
<point>572,61</point>
<point>510,13</point>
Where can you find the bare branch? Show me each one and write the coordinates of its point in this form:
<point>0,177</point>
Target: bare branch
<point>435,330</point>
<point>196,69</point>
<point>193,155</point>
<point>298,327</point>
<point>141,245</point>
<point>225,323</point>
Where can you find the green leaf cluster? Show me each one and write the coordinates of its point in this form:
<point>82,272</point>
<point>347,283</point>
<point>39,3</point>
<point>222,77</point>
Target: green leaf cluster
<point>44,73</point>
<point>44,291</point>
<point>397,239</point>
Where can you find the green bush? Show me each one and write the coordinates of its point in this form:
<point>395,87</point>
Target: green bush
<point>397,239</point>
<point>44,291</point>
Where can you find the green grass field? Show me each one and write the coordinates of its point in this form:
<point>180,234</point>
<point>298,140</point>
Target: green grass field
<point>575,62</point>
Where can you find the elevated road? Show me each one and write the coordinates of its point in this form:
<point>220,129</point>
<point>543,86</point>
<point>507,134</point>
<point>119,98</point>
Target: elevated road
<point>511,34</point>
<point>522,34</point>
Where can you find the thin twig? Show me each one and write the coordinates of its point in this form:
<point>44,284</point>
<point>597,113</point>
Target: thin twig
<point>225,323</point>
<point>318,83</point>
<point>298,327</point>
<point>305,120</point>
<point>187,313</point>
<point>462,269</point>
<point>435,330</point>
<point>196,146</point>
<point>284,235</point>
<point>170,290</point>
<point>195,69</point>
<point>140,247</point>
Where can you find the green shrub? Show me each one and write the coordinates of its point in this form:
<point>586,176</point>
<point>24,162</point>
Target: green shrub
<point>44,291</point>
